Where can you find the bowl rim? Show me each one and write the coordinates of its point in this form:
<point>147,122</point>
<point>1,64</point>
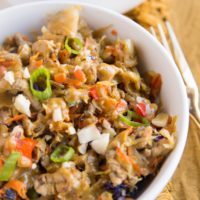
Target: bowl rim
<point>153,192</point>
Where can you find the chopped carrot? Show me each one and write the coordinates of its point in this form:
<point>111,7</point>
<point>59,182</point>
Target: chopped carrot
<point>60,78</point>
<point>79,74</point>
<point>18,186</point>
<point>38,63</point>
<point>94,93</point>
<point>2,192</point>
<point>26,146</point>
<point>129,160</point>
<point>114,32</point>
<point>1,163</point>
<point>7,62</point>
<point>136,167</point>
<point>15,118</point>
<point>122,155</point>
<point>73,82</point>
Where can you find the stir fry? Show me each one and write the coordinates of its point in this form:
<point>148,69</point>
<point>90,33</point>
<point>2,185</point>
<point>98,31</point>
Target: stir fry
<point>77,119</point>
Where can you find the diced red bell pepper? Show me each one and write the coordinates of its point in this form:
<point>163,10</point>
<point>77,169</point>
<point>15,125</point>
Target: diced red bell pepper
<point>141,109</point>
<point>94,93</point>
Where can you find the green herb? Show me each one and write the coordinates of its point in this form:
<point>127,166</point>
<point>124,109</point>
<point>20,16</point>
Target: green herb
<point>9,166</point>
<point>40,83</point>
<point>62,153</point>
<point>73,45</point>
<point>133,116</point>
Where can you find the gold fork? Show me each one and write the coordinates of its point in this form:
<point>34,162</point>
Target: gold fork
<point>177,54</point>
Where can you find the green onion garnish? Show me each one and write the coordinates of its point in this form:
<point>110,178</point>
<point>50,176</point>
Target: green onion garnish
<point>40,83</point>
<point>62,153</point>
<point>9,166</point>
<point>73,45</point>
<point>133,115</point>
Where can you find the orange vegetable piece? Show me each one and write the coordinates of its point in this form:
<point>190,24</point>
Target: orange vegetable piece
<point>79,74</point>
<point>127,159</point>
<point>94,93</point>
<point>15,118</point>
<point>114,32</point>
<point>60,78</point>
<point>26,146</point>
<point>38,63</point>
<point>1,163</point>
<point>18,186</point>
<point>73,82</point>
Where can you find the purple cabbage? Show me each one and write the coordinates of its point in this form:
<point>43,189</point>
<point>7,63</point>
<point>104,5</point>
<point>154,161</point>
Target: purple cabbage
<point>158,138</point>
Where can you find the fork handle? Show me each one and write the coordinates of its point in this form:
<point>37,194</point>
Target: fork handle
<point>195,102</point>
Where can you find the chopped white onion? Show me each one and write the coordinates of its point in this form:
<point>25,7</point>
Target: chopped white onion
<point>26,73</point>
<point>88,134</point>
<point>68,164</point>
<point>72,130</point>
<point>149,110</point>
<point>9,77</point>
<point>34,166</point>
<point>100,145</point>
<point>160,120</point>
<point>44,29</point>
<point>129,45</point>
<point>83,148</point>
<point>140,99</point>
<point>17,130</point>
<point>57,115</point>
<point>22,104</point>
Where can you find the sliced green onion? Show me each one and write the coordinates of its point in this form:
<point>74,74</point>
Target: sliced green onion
<point>132,115</point>
<point>73,45</point>
<point>40,83</point>
<point>129,122</point>
<point>9,166</point>
<point>62,153</point>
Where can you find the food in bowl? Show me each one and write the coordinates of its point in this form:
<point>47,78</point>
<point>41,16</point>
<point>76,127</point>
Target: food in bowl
<point>78,121</point>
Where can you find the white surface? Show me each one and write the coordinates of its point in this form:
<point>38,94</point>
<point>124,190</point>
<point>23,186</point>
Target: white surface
<point>152,56</point>
<point>117,5</point>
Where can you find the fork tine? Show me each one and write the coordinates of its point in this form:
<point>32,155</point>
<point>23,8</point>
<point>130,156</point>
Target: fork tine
<point>180,58</point>
<point>152,31</point>
<point>185,70</point>
<point>164,39</point>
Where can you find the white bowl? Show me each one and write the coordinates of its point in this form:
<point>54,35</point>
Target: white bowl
<point>121,5</point>
<point>152,55</point>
